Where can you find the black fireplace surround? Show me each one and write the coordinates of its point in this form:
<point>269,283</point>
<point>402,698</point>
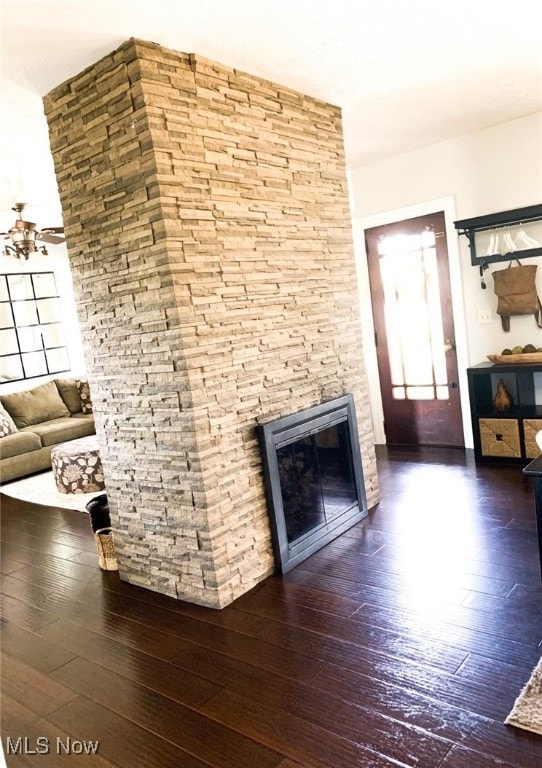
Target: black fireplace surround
<point>313,478</point>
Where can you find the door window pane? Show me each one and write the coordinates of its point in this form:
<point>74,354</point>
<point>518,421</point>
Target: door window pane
<point>420,393</point>
<point>412,314</point>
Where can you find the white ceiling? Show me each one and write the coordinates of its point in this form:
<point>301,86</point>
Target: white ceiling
<point>407,73</point>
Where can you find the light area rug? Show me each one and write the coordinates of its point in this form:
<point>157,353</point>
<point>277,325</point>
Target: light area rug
<point>41,489</point>
<point>527,710</point>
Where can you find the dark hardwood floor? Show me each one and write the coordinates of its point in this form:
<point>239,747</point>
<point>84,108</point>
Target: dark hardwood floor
<point>403,643</point>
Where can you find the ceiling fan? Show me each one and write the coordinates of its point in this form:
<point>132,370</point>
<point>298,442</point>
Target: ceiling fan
<point>26,239</point>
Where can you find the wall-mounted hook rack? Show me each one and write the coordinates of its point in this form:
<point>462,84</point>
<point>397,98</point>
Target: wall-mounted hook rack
<point>495,221</point>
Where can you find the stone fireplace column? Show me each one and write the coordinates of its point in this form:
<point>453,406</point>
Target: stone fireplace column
<point>207,222</point>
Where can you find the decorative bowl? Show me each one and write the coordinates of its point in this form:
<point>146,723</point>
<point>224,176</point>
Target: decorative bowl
<point>530,357</point>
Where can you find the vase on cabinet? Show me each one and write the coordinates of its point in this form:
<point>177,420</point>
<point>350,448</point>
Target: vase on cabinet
<point>503,399</point>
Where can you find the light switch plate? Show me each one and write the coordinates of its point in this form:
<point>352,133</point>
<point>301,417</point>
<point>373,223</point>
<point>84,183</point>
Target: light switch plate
<point>485,316</point>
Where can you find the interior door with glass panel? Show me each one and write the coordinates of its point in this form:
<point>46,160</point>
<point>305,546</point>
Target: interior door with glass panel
<point>412,309</point>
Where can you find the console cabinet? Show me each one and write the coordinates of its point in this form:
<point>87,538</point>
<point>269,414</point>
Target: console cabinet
<point>507,436</point>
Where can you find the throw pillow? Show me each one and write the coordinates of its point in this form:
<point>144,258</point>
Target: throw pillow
<point>7,425</point>
<point>34,406</point>
<point>70,394</point>
<point>84,394</point>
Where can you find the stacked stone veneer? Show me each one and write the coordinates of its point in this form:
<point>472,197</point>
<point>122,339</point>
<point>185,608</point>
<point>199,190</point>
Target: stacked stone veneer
<point>208,227</point>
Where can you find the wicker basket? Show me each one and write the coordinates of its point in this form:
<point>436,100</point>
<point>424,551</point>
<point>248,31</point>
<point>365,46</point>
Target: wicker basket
<point>530,429</point>
<point>107,556</point>
<point>500,437</point>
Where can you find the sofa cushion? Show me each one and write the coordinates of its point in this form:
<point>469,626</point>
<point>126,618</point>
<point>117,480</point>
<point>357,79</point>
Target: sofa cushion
<point>18,443</point>
<point>70,394</point>
<point>62,430</point>
<point>7,425</point>
<point>35,405</point>
<point>25,464</point>
<point>84,395</point>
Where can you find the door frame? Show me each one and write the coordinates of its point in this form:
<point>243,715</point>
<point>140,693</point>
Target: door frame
<point>359,225</point>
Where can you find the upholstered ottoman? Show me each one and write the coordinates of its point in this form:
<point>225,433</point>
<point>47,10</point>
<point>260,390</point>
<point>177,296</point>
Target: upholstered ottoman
<point>77,467</point>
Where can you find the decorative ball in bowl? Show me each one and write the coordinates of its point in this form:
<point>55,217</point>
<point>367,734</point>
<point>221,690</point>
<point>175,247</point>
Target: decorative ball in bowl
<point>518,354</point>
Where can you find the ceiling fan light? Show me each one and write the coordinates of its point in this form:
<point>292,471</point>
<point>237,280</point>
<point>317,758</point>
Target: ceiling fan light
<point>24,235</point>
<point>9,250</point>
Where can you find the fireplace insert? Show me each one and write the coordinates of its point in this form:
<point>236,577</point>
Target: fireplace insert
<point>313,478</point>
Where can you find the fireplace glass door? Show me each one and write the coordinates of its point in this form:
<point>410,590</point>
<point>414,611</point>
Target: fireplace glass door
<point>316,479</point>
<point>313,478</point>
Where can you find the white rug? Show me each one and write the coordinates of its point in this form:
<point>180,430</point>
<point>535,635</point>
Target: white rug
<point>527,711</point>
<point>41,489</point>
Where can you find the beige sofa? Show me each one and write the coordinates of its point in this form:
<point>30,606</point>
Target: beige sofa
<point>32,422</point>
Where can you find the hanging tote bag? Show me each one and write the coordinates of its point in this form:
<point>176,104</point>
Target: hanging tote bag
<point>516,293</point>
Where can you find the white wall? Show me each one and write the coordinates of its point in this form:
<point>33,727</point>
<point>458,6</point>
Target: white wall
<point>499,168</point>
<point>27,175</point>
